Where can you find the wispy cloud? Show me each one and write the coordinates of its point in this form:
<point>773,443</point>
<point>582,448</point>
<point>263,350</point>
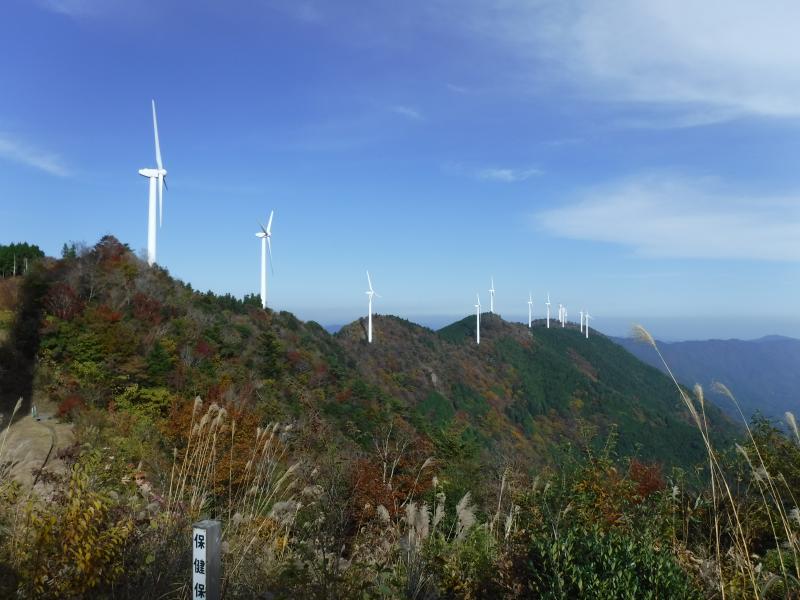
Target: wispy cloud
<point>23,153</point>
<point>306,12</point>
<point>681,217</point>
<point>499,174</point>
<point>78,9</point>
<point>407,112</point>
<point>739,58</point>
<point>506,175</point>
<point>458,89</point>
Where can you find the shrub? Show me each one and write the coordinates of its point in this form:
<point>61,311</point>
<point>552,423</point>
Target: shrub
<point>592,563</point>
<point>71,546</point>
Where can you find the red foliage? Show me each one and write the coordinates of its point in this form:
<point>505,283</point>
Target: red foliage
<point>63,302</point>
<point>146,309</point>
<point>369,488</point>
<point>648,478</point>
<point>107,314</point>
<point>69,405</point>
<point>204,349</point>
<point>110,251</point>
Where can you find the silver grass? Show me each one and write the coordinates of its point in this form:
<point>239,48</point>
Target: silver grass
<point>793,424</point>
<point>466,515</point>
<point>642,335</point>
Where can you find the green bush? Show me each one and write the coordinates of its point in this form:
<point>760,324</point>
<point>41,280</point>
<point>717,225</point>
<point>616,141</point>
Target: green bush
<point>590,563</point>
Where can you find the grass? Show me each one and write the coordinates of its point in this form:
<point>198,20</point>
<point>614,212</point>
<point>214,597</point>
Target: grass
<point>725,504</point>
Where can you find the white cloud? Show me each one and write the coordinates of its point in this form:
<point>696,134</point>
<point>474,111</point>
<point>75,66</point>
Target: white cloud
<point>679,217</point>
<point>82,8</point>
<point>735,56</point>
<point>506,175</point>
<point>407,112</point>
<point>23,153</point>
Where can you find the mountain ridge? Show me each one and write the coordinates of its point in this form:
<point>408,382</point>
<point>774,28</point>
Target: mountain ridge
<point>761,373</point>
<point>112,332</point>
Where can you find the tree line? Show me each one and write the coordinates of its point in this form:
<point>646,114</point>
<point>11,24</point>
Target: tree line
<point>16,259</point>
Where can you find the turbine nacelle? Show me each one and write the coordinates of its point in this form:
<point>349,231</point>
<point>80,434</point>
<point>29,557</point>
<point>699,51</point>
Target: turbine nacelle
<point>154,173</point>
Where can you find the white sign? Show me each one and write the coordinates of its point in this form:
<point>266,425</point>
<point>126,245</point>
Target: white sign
<point>206,560</point>
<point>199,548</point>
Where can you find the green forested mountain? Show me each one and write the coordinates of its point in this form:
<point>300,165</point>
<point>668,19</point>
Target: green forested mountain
<point>112,332</point>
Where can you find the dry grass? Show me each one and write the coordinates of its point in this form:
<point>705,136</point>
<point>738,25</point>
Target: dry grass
<point>259,511</point>
<point>725,504</point>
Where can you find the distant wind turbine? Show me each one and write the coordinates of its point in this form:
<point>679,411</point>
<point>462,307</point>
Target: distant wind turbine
<point>478,319</point>
<point>491,297</point>
<point>530,309</point>
<point>266,245</point>
<point>548,309</point>
<point>587,316</point>
<point>561,314</point>
<point>581,312</point>
<point>370,293</point>
<point>155,175</point>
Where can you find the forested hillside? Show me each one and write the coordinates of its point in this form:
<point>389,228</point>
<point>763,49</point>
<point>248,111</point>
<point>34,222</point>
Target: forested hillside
<point>114,333</point>
<point>538,463</point>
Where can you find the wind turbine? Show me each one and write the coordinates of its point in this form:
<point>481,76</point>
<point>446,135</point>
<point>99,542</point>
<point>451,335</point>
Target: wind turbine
<point>478,319</point>
<point>564,321</point>
<point>587,316</point>
<point>548,310</point>
<point>266,244</point>
<point>370,294</point>
<point>561,314</point>
<point>491,297</point>
<point>159,175</point>
<point>581,312</point>
<point>530,309</point>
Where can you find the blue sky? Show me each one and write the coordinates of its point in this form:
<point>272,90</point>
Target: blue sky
<point>638,159</point>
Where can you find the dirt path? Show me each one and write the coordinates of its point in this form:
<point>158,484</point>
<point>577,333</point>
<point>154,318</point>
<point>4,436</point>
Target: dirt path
<point>32,444</point>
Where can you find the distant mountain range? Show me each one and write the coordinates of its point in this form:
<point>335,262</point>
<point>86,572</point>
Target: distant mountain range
<point>763,374</point>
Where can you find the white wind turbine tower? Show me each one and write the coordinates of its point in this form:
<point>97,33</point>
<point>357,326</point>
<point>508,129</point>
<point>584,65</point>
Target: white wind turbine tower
<point>581,312</point>
<point>370,294</point>
<point>266,245</point>
<point>587,316</point>
<point>478,319</point>
<point>491,297</point>
<point>564,321</point>
<point>561,314</point>
<point>530,309</point>
<point>548,309</point>
<point>158,175</point>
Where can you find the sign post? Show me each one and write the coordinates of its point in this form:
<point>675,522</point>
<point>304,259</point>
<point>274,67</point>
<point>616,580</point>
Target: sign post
<point>206,560</point>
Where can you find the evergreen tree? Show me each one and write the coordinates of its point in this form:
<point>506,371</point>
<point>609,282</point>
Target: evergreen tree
<point>13,258</point>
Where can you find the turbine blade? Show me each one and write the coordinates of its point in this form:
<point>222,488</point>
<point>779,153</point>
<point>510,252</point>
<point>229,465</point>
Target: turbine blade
<point>269,223</point>
<point>155,131</point>
<point>261,227</point>
<point>160,200</point>
<point>269,251</point>
<point>369,280</point>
